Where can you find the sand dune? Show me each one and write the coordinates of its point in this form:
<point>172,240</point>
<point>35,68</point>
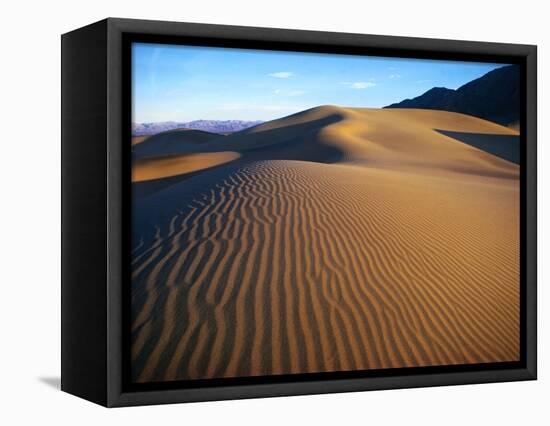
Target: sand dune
<point>399,138</point>
<point>172,142</point>
<point>170,165</point>
<point>340,239</point>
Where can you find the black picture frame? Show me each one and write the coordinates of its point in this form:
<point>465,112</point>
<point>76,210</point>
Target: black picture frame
<point>96,123</point>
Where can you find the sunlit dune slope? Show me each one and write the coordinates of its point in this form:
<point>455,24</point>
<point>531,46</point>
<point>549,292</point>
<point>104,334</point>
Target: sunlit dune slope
<point>164,166</point>
<point>340,239</point>
<point>401,138</point>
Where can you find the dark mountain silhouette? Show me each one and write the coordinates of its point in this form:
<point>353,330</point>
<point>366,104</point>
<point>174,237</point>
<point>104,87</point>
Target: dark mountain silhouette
<point>494,97</point>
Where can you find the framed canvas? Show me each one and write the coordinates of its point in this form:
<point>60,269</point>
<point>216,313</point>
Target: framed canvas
<point>253,212</point>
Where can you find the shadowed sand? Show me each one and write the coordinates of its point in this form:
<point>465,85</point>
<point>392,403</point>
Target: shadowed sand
<point>503,146</point>
<point>171,142</point>
<point>340,239</point>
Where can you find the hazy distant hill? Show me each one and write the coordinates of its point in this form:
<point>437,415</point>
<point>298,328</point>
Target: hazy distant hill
<point>214,126</point>
<point>494,97</point>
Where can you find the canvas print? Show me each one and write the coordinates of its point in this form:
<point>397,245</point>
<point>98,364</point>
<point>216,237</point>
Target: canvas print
<point>298,213</point>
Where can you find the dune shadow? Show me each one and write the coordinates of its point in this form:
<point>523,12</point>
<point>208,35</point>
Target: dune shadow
<point>53,382</point>
<point>285,144</point>
<point>503,146</point>
<point>172,142</point>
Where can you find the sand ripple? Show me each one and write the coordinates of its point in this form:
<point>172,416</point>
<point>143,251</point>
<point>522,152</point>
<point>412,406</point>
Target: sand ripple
<point>278,267</point>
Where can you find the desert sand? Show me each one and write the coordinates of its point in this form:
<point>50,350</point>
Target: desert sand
<point>172,165</point>
<point>334,239</point>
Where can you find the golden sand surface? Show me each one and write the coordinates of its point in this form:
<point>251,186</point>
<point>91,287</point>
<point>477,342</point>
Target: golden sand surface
<point>335,239</point>
<point>171,165</point>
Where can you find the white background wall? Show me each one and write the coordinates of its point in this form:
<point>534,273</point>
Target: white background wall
<point>30,198</point>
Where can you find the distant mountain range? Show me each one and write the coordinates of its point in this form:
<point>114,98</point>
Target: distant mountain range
<point>494,97</point>
<point>213,126</point>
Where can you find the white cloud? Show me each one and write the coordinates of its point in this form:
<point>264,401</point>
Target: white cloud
<point>285,92</point>
<point>362,85</point>
<point>359,85</point>
<point>281,74</point>
<point>395,76</point>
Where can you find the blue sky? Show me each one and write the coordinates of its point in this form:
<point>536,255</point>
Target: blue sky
<point>184,83</point>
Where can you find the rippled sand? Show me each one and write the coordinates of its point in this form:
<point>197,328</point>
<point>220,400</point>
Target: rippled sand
<point>337,239</point>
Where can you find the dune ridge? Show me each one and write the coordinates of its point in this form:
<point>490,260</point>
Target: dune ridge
<point>355,241</point>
